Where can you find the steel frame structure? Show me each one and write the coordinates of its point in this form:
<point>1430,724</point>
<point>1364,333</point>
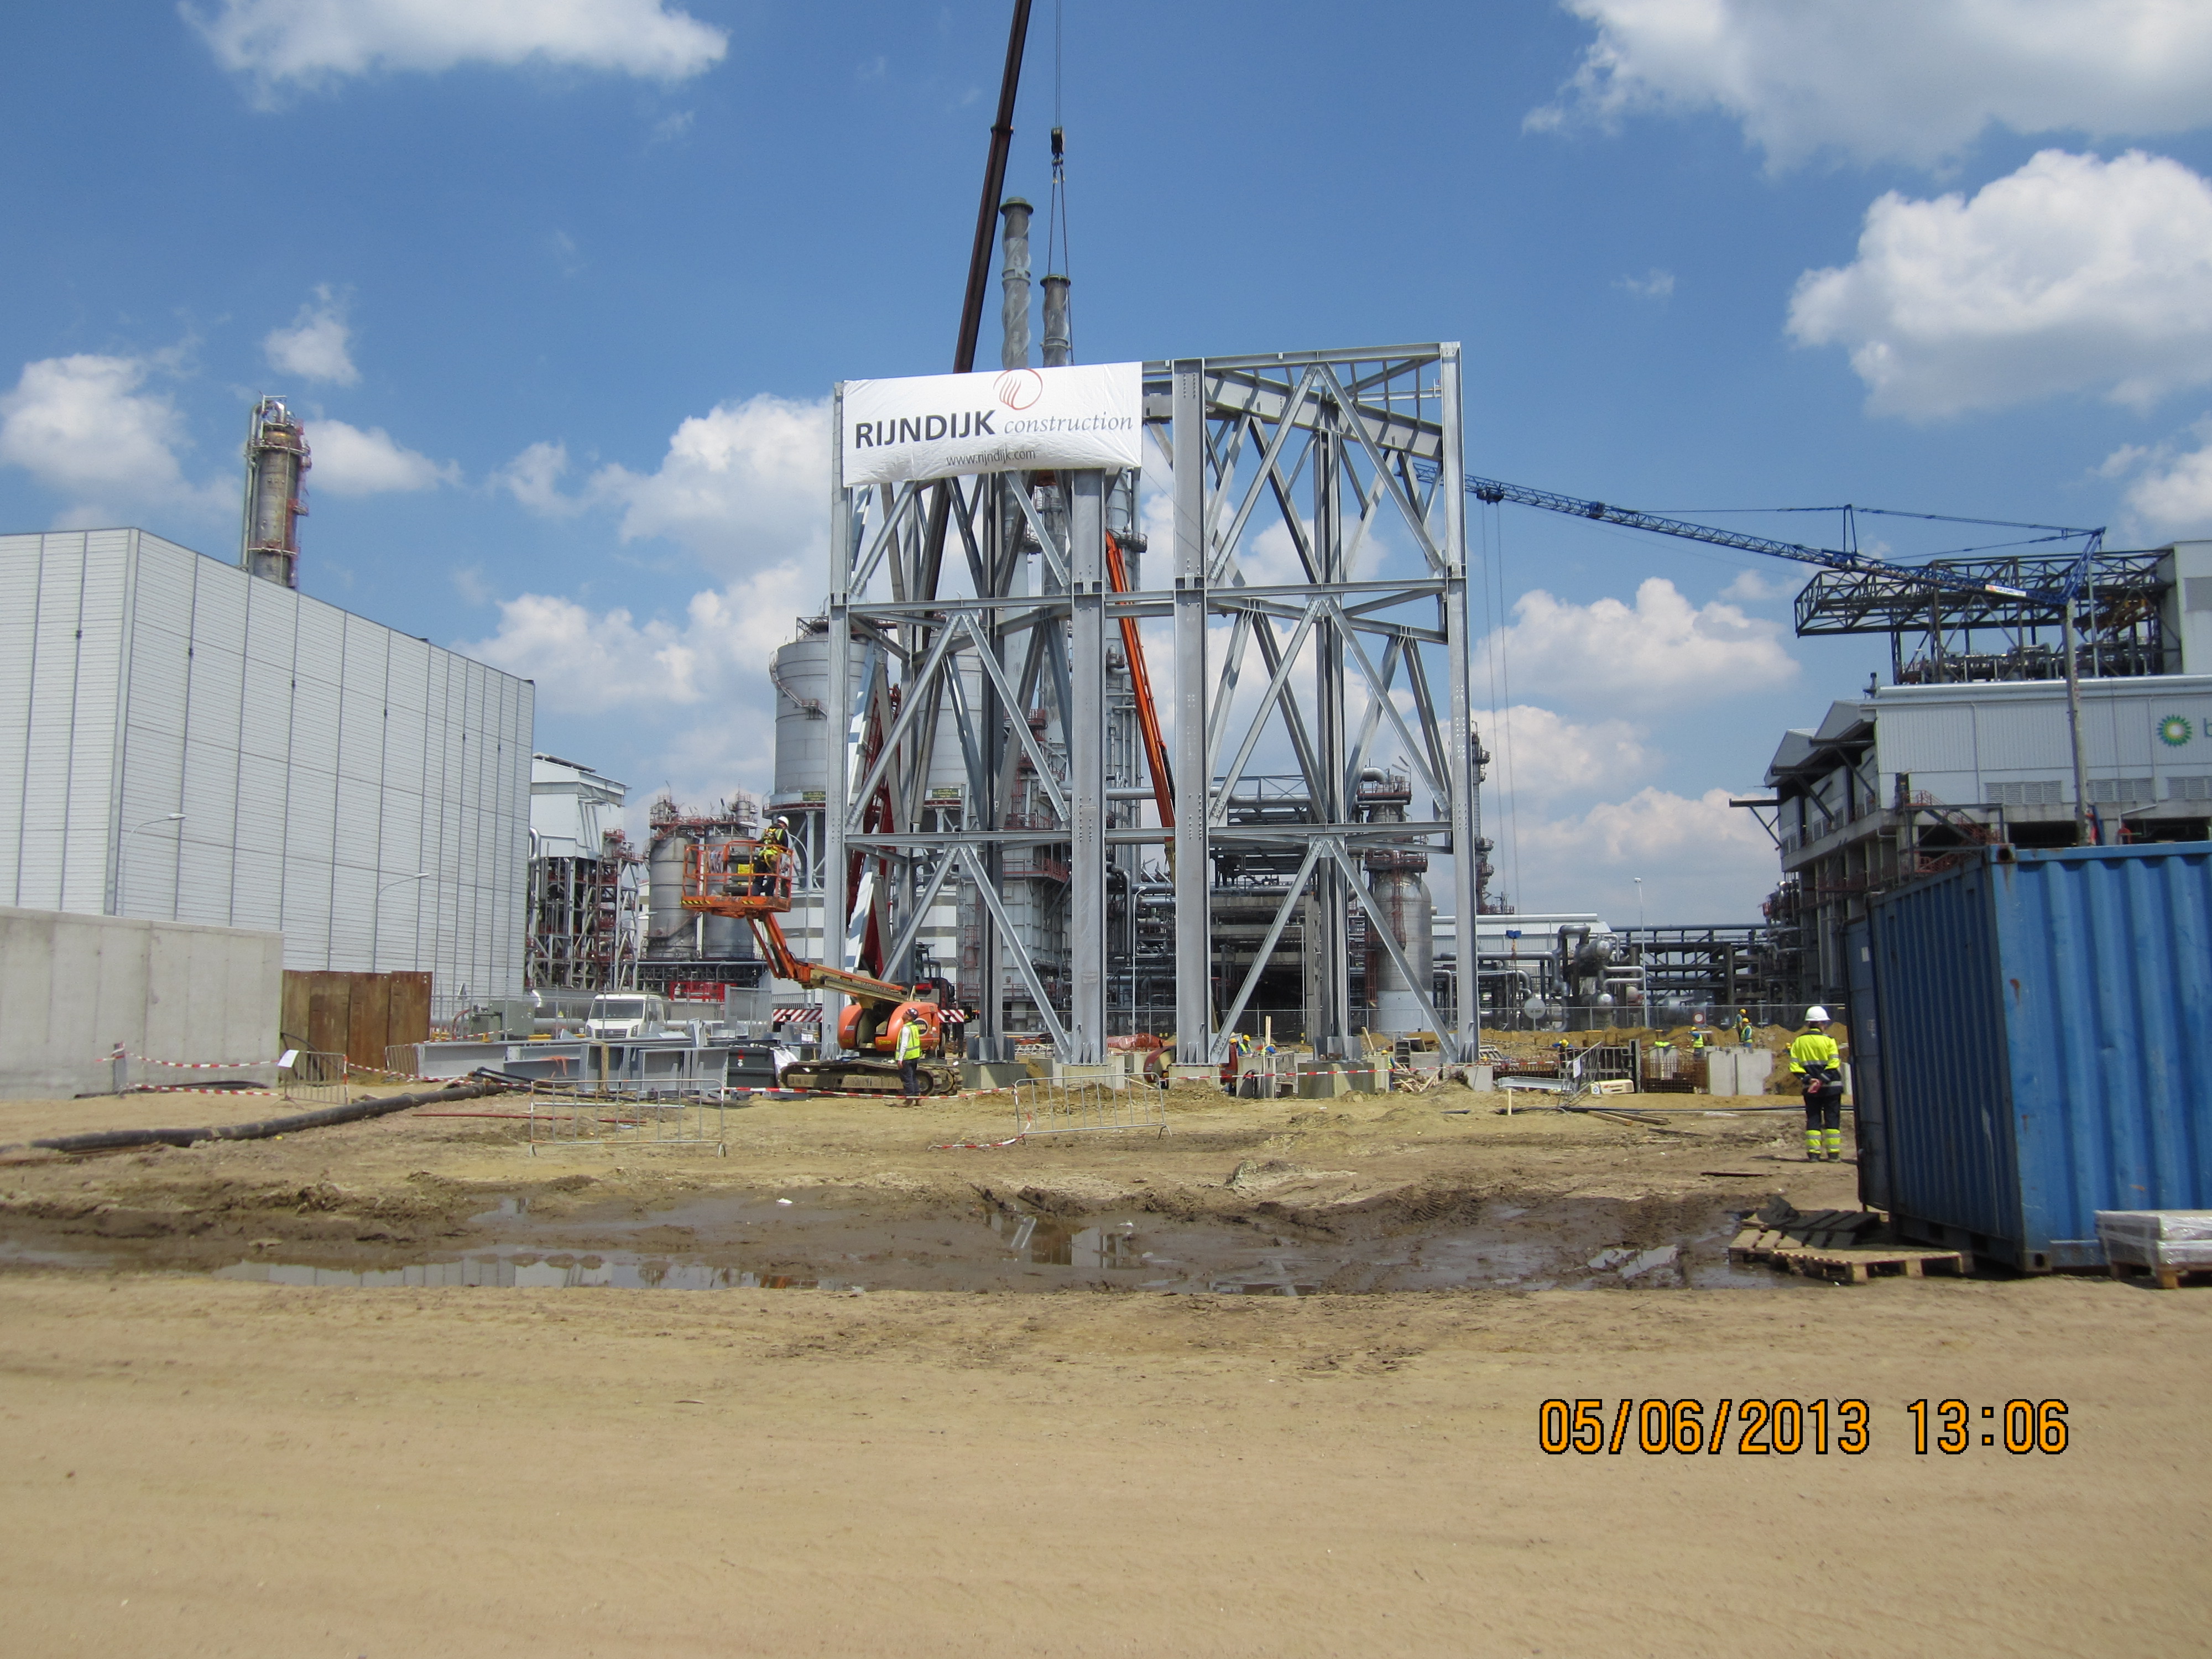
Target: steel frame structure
<point>1339,469</point>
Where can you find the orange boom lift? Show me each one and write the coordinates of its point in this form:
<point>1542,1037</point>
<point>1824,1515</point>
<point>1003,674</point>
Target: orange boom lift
<point>726,879</point>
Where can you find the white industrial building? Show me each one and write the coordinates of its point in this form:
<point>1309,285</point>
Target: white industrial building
<point>181,740</point>
<point>1898,782</point>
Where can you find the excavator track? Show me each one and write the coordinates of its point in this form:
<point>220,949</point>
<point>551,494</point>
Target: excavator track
<point>867,1077</point>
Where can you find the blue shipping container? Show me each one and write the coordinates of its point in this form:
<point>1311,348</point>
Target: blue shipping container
<point>2044,1037</point>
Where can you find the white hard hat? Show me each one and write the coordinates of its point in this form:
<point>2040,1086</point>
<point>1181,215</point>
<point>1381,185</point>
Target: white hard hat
<point>1816,1015</point>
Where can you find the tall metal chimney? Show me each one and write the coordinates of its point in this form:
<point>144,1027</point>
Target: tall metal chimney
<point>1014,312</point>
<point>1059,347</point>
<point>276,497</point>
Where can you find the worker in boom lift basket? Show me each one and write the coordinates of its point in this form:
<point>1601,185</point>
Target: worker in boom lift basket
<point>1814,1059</point>
<point>768,861</point>
<point>909,1055</point>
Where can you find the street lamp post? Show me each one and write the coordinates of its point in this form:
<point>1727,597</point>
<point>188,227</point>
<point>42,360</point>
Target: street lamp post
<point>376,917</point>
<point>115,882</point>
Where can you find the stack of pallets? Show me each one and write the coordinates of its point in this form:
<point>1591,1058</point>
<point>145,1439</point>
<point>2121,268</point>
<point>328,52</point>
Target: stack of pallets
<point>1843,1245</point>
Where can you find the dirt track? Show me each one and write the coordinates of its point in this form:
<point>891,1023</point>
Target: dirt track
<point>207,1467</point>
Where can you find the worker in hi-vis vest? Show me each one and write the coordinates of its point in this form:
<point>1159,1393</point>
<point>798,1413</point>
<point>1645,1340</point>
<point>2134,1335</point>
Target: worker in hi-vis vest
<point>1814,1060</point>
<point>775,848</point>
<point>909,1055</point>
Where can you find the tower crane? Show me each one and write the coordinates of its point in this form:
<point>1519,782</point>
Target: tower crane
<point>1491,491</point>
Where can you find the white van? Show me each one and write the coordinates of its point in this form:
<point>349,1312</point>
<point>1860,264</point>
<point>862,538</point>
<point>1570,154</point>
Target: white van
<point>626,1015</point>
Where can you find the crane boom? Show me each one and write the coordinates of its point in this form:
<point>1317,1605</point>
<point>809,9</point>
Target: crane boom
<point>1493,490</point>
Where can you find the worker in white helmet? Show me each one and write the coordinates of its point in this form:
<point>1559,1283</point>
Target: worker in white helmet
<point>1814,1060</point>
<point>910,1050</point>
<point>767,862</point>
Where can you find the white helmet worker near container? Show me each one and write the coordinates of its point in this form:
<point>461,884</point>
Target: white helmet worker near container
<point>1814,1060</point>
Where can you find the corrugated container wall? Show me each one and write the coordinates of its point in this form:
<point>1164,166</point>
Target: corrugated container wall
<point>2042,1024</point>
<point>319,760</point>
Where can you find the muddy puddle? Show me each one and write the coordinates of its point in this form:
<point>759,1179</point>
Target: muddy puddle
<point>998,1244</point>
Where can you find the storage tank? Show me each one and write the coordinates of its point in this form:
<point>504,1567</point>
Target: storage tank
<point>2037,1026</point>
<point>948,763</point>
<point>799,670</point>
<point>1399,882</point>
<point>670,933</point>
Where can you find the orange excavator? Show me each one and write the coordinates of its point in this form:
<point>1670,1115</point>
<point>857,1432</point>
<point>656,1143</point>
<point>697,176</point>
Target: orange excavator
<point>734,878</point>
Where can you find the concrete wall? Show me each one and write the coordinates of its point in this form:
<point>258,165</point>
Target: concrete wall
<point>73,986</point>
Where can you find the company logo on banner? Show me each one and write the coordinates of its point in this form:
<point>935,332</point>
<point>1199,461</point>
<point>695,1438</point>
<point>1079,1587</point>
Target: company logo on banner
<point>932,426</point>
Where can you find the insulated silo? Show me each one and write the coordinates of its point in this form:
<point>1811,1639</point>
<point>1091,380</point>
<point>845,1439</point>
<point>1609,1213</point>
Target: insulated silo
<point>799,670</point>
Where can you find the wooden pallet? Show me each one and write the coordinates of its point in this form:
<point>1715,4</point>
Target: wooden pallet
<point>1843,1245</point>
<point>2167,1278</point>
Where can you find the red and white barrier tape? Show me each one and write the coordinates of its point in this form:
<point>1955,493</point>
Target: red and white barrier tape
<point>191,1065</point>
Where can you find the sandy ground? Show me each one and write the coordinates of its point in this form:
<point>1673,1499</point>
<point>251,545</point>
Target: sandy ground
<point>196,1465</point>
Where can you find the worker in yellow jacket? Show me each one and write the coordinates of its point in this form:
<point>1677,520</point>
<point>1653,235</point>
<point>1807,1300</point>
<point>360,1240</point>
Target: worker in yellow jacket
<point>1817,1063</point>
<point>909,1055</point>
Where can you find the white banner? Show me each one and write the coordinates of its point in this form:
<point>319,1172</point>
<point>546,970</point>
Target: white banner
<point>1086,415</point>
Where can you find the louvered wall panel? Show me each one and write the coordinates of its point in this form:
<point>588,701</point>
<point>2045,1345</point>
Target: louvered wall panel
<point>206,871</point>
<point>96,721</point>
<point>264,722</point>
<point>48,730</point>
<point>359,807</point>
<point>410,683</point>
<point>318,667</point>
<point>220,599</point>
<point>257,889</point>
<point>306,912</point>
<point>272,625</point>
<point>21,559</point>
<point>353,903</point>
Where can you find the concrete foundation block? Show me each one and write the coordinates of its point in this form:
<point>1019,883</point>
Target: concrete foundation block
<point>992,1073</point>
<point>1198,1073</point>
<point>1324,1085</point>
<point>1108,1074</point>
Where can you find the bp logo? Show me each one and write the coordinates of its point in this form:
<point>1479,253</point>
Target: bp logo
<point>2174,731</point>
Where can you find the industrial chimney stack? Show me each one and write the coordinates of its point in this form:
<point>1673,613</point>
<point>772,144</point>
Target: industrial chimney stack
<point>276,495</point>
<point>1014,278</point>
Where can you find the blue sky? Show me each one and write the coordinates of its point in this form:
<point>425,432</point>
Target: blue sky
<point>561,286</point>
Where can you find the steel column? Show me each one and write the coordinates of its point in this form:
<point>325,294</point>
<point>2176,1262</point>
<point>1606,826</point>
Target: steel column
<point>1193,939</point>
<point>1085,711</point>
<point>838,739</point>
<point>1459,748</point>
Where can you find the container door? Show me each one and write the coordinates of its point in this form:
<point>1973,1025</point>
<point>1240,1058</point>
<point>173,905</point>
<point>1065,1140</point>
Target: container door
<point>1869,1123</point>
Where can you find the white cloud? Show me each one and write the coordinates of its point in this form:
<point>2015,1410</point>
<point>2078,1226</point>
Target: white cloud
<point>310,43</point>
<point>2171,496</point>
<point>81,427</point>
<point>349,461</point>
<point>1701,860</point>
<point>1544,755</point>
<point>2072,274</point>
<point>315,346</point>
<point>585,661</point>
<point>1751,586</point>
<point>742,483</point>
<point>1910,79</point>
<point>1653,285</point>
<point>1660,650</point>
<point>533,479</point>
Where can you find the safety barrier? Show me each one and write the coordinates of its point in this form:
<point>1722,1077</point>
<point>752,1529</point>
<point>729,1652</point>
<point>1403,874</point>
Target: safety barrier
<point>559,1122</point>
<point>1043,1107</point>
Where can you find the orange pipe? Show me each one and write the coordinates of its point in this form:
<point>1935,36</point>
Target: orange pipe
<point>1148,716</point>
